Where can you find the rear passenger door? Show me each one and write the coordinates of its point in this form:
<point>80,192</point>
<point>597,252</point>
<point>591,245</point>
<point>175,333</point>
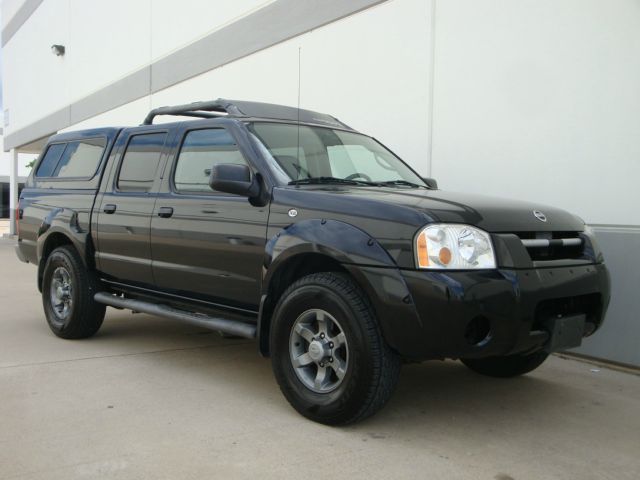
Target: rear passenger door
<point>207,244</point>
<point>124,214</point>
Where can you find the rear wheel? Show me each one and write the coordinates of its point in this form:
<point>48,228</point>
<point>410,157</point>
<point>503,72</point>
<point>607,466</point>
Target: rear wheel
<point>67,295</point>
<point>328,354</point>
<point>508,365</point>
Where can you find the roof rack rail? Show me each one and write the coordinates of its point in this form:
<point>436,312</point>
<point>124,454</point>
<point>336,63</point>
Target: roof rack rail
<point>207,109</point>
<point>239,108</point>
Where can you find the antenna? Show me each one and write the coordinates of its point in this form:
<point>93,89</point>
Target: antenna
<point>299,76</point>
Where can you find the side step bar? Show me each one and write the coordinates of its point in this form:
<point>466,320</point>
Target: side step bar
<point>230,327</point>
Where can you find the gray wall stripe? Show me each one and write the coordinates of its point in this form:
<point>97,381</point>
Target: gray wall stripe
<point>39,129</point>
<point>21,16</point>
<point>275,23</point>
<point>125,90</point>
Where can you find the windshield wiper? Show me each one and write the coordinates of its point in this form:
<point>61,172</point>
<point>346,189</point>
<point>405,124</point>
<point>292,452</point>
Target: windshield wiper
<point>319,180</point>
<point>402,182</point>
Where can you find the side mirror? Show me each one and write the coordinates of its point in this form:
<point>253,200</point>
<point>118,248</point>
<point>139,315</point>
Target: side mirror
<point>233,178</point>
<point>431,182</point>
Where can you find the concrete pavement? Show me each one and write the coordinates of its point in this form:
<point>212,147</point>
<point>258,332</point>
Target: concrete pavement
<point>149,398</point>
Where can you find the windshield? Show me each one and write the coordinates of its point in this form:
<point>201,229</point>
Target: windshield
<point>332,156</point>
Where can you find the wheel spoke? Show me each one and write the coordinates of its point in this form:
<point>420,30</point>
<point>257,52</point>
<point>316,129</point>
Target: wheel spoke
<point>339,366</point>
<point>323,324</point>
<point>305,332</point>
<point>321,377</point>
<point>302,360</point>
<point>339,340</point>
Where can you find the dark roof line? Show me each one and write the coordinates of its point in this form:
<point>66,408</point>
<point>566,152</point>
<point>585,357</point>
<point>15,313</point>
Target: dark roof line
<point>238,108</point>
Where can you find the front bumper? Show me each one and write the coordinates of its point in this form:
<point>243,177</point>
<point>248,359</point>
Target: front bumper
<point>473,314</point>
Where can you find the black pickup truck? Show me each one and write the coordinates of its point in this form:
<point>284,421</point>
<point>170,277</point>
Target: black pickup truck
<point>288,226</point>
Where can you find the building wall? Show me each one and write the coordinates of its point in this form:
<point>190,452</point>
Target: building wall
<point>532,99</point>
<point>540,100</point>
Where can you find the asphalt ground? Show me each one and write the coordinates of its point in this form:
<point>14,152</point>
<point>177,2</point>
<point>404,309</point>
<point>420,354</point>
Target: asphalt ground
<point>148,398</point>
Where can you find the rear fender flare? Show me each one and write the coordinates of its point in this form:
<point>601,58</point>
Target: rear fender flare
<point>64,221</point>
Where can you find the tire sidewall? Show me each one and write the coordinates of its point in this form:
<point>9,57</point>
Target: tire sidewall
<point>353,389</point>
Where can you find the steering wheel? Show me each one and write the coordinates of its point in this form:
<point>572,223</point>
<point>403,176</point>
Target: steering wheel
<point>353,176</point>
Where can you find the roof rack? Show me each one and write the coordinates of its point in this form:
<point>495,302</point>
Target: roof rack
<point>235,108</point>
<point>210,109</point>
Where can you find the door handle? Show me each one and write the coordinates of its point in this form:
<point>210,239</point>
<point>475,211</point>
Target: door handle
<point>109,208</point>
<point>165,212</point>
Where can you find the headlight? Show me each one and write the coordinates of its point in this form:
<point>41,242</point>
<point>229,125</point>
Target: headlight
<point>454,247</point>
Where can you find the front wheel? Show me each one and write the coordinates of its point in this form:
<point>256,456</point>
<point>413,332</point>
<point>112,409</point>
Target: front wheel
<point>507,365</point>
<point>67,295</point>
<point>328,354</point>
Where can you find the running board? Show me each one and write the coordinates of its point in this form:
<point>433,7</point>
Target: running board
<point>231,327</point>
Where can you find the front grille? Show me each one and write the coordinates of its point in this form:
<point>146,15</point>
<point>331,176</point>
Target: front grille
<point>544,246</point>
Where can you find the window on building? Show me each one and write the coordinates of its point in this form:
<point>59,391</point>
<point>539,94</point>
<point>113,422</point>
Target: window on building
<point>201,150</point>
<point>140,162</point>
<point>76,159</point>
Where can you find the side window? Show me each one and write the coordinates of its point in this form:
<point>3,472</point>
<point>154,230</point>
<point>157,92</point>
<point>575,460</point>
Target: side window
<point>50,161</point>
<point>201,150</point>
<point>140,162</point>
<point>79,159</point>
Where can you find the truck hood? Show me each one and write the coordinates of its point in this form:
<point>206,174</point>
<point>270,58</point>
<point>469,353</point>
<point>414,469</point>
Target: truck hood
<point>489,213</point>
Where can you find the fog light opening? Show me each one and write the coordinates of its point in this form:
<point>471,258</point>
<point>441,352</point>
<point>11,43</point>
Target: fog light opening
<point>478,331</point>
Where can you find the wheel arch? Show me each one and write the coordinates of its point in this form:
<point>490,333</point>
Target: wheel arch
<point>313,246</point>
<point>60,227</point>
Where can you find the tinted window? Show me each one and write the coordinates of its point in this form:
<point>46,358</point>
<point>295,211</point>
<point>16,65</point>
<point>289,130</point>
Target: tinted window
<point>201,150</point>
<point>80,158</point>
<point>140,162</point>
<point>50,161</point>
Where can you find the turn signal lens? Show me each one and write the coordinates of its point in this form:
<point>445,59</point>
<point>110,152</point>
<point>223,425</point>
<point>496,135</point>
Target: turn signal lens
<point>423,256</point>
<point>454,247</point>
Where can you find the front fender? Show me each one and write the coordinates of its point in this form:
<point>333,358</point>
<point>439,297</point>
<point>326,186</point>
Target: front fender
<point>368,263</point>
<point>339,240</point>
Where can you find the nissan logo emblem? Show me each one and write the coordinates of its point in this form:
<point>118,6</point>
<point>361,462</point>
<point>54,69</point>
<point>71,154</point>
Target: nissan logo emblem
<point>539,215</point>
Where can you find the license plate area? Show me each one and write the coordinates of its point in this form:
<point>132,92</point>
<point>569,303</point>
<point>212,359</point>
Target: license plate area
<point>564,332</point>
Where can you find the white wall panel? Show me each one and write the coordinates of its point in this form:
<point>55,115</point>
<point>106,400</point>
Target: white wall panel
<point>540,99</point>
<point>353,68</point>
<point>107,40</point>
<point>36,82</point>
<point>371,71</point>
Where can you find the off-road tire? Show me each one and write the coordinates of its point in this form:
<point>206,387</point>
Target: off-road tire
<point>85,315</point>
<point>372,369</point>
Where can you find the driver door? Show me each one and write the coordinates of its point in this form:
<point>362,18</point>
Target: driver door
<point>207,244</point>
